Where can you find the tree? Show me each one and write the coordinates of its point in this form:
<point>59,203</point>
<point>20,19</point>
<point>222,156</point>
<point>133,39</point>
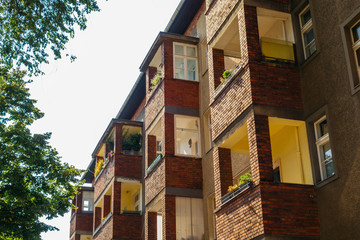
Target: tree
<point>28,28</point>
<point>33,181</point>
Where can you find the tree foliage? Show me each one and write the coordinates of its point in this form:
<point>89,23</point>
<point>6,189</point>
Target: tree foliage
<point>28,28</point>
<point>34,182</point>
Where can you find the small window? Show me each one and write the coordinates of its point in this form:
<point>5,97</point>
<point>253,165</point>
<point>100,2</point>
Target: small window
<point>158,147</point>
<point>324,148</point>
<point>307,32</point>
<point>88,201</point>
<point>187,135</point>
<point>185,62</point>
<point>355,38</point>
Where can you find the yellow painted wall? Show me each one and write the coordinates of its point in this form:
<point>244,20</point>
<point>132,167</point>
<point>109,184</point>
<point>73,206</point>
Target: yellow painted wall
<point>290,151</point>
<point>127,195</point>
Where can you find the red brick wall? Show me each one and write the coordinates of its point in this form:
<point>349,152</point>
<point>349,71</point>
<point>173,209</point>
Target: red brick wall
<point>151,226</point>
<point>154,182</point>
<point>127,227</point>
<point>128,166</point>
<point>218,65</point>
<point>117,139</point>
<point>290,209</point>
<point>169,218</point>
<point>103,179</point>
<point>81,222</point>
<point>195,20</point>
<point>107,205</point>
<point>276,85</point>
<point>97,217</point>
<point>151,150</point>
<point>241,218</point>
<point>183,172</point>
<point>182,93</point>
<point>222,172</point>
<point>167,59</point>
<point>260,148</point>
<point>154,104</point>
<point>116,198</point>
<point>106,231</point>
<point>169,144</point>
<point>139,109</point>
<point>231,103</point>
<point>150,74</point>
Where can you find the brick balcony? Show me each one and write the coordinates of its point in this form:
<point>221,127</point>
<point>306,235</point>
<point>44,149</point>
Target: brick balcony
<point>270,209</point>
<point>120,226</point>
<point>81,222</point>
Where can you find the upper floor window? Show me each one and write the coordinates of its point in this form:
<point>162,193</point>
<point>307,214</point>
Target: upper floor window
<point>187,135</point>
<point>355,37</point>
<point>307,32</point>
<point>185,62</point>
<point>324,148</point>
<point>88,201</point>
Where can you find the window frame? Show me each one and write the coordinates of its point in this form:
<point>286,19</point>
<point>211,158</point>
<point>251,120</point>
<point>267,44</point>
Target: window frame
<point>355,46</point>
<point>185,61</point>
<point>306,28</point>
<point>321,140</point>
<point>83,201</point>
<point>199,137</point>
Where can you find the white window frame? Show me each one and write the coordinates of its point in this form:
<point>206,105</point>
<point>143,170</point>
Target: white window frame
<point>355,46</point>
<point>321,141</point>
<point>185,61</point>
<point>199,137</point>
<point>83,201</point>
<point>305,28</point>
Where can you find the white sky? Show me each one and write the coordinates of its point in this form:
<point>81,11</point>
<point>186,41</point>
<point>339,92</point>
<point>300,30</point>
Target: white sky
<point>79,99</point>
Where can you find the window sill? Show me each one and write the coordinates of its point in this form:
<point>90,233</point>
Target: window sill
<point>197,81</point>
<point>324,182</point>
<point>309,59</point>
<point>186,156</point>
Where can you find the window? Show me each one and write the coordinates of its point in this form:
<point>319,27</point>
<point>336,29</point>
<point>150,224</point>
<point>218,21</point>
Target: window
<point>187,135</point>
<point>307,32</point>
<point>158,147</point>
<point>185,62</point>
<point>355,38</point>
<point>137,201</point>
<point>189,218</point>
<point>323,148</point>
<point>88,201</point>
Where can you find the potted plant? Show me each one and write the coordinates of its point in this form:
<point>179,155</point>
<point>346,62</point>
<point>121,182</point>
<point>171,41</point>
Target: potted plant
<point>226,74</point>
<point>155,80</point>
<point>244,183</point>
<point>98,167</point>
<point>131,142</point>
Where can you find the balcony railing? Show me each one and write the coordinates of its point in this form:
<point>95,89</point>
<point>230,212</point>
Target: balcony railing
<point>154,163</point>
<point>274,50</point>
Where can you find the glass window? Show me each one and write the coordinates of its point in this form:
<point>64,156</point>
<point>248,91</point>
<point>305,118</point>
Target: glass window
<point>307,32</point>
<point>324,149</point>
<point>88,201</point>
<point>355,32</point>
<point>189,218</point>
<point>185,62</point>
<point>187,136</point>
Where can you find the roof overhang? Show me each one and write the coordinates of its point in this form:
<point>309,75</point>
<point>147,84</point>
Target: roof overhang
<point>159,40</point>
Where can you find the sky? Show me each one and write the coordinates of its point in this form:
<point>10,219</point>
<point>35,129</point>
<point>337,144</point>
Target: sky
<point>79,99</point>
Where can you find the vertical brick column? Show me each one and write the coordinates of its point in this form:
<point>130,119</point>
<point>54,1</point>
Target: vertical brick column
<point>169,219</point>
<point>222,172</point>
<point>117,198</point>
<point>218,65</point>
<point>106,205</point>
<point>150,74</point>
<point>169,134</point>
<point>260,148</point>
<point>77,237</point>
<point>97,217</point>
<point>167,59</point>
<point>249,34</point>
<point>118,139</point>
<point>151,226</point>
<point>151,151</point>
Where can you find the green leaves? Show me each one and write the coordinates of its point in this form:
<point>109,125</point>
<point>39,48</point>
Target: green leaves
<point>28,28</point>
<point>34,183</point>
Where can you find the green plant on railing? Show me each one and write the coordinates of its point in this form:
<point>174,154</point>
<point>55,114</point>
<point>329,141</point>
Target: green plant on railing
<point>99,167</point>
<point>226,74</point>
<point>155,81</point>
<point>243,179</point>
<point>131,141</point>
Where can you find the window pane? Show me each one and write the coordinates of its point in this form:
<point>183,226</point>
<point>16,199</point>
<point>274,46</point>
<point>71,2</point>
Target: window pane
<point>358,56</point>
<point>305,17</point>
<point>179,50</point>
<point>323,128</point>
<point>308,36</point>
<point>179,68</point>
<point>187,123</point>
<point>356,32</point>
<point>190,52</point>
<point>191,69</point>
<point>187,136</point>
<point>329,169</point>
<point>310,49</point>
<point>326,149</point>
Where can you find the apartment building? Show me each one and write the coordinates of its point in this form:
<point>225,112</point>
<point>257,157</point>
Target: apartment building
<point>239,126</point>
